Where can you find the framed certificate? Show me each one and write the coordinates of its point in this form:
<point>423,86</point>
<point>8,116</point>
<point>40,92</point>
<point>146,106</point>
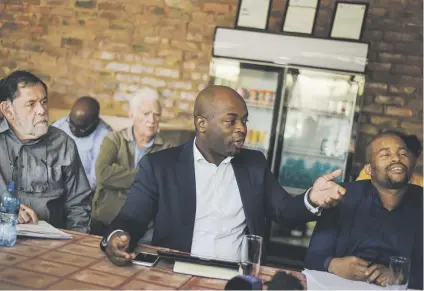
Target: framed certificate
<point>300,16</point>
<point>253,14</point>
<point>348,21</point>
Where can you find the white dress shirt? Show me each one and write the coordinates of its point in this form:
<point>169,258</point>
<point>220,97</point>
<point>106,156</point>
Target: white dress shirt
<point>88,147</point>
<point>220,221</point>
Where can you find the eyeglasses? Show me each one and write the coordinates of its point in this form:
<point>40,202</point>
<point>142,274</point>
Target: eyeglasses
<point>80,131</point>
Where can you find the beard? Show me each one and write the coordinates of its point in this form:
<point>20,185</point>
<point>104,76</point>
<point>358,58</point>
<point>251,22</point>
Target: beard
<point>398,183</point>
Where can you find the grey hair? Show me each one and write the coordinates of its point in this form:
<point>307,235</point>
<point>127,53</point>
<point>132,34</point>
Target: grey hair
<point>144,94</point>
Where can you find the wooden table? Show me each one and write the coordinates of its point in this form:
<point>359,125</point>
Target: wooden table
<point>80,264</point>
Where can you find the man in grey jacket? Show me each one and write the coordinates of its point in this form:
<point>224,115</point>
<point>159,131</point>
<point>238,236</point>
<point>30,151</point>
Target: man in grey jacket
<point>43,161</point>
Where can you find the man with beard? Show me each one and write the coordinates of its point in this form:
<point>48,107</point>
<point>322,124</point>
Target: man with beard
<point>379,218</point>
<point>43,161</point>
<point>88,130</point>
<point>205,194</point>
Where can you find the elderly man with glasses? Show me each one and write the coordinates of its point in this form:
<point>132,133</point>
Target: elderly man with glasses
<point>88,130</point>
<point>42,160</point>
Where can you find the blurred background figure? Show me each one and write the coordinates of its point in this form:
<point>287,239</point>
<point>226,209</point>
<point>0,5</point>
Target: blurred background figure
<point>120,153</point>
<point>88,130</point>
<point>284,281</point>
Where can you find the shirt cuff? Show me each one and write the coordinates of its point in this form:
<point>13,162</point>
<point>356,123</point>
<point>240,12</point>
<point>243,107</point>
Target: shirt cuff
<point>112,233</point>
<point>327,263</point>
<point>314,210</point>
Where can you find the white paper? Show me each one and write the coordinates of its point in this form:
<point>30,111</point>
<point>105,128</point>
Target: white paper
<point>348,21</point>
<point>253,13</point>
<point>318,280</point>
<point>304,3</point>
<point>41,230</point>
<point>299,19</point>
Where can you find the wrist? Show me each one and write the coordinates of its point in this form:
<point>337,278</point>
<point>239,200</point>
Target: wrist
<point>312,203</point>
<point>331,268</point>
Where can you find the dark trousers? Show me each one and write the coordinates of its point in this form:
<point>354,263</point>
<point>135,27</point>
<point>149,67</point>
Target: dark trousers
<point>98,228</point>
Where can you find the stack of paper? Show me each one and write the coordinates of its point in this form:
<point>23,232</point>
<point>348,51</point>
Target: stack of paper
<point>318,280</point>
<point>42,230</point>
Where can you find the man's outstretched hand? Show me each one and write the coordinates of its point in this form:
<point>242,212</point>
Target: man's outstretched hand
<point>325,192</point>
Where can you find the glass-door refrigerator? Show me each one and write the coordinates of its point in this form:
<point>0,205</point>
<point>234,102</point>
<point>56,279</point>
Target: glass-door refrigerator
<point>317,122</point>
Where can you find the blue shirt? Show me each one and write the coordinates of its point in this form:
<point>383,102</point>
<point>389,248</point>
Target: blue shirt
<point>88,147</point>
<point>139,152</point>
<point>360,226</point>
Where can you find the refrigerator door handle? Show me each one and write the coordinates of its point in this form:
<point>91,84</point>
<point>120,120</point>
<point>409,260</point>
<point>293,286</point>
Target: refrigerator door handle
<point>278,136</point>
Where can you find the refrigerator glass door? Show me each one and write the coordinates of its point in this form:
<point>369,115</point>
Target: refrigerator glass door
<point>319,109</point>
<point>258,86</point>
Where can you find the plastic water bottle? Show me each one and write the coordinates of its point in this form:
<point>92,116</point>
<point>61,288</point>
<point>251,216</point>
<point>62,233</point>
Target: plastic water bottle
<point>9,209</point>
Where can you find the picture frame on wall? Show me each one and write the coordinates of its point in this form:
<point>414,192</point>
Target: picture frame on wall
<point>300,16</point>
<point>253,14</point>
<point>348,20</point>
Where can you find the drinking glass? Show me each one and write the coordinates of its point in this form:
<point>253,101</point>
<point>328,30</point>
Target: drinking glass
<point>398,273</point>
<point>250,257</point>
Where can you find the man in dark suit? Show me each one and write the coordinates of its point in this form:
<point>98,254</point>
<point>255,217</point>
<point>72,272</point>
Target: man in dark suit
<point>205,194</point>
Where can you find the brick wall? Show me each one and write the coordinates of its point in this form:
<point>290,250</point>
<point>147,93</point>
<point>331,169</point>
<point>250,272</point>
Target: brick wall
<point>109,48</point>
<point>393,97</point>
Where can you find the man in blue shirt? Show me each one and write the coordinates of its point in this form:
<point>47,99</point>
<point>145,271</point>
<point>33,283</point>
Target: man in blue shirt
<point>88,130</point>
<point>379,218</point>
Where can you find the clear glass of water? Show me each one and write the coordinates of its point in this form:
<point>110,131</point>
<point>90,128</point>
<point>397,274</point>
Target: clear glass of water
<point>250,256</point>
<point>398,273</point>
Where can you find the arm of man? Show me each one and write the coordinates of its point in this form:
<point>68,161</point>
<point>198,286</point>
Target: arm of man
<point>108,172</point>
<point>95,153</point>
<point>281,207</point>
<point>78,194</point>
<point>140,207</point>
<point>321,251</point>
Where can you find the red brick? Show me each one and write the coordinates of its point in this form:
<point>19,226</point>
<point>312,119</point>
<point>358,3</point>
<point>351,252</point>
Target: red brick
<point>408,70</point>
<point>398,111</point>
<point>379,67</point>
<point>380,46</point>
<point>389,100</point>
<point>376,87</point>
<point>373,35</point>
<point>377,11</point>
<point>387,57</point>
<point>398,36</point>
<point>383,77</point>
<point>216,7</point>
<point>415,48</point>
<point>110,6</point>
<point>368,129</point>
<point>402,89</point>
<point>411,125</point>
<point>373,108</point>
<point>384,121</point>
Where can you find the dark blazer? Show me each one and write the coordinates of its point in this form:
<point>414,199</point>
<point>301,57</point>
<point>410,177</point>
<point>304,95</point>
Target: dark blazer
<point>360,226</point>
<point>164,189</point>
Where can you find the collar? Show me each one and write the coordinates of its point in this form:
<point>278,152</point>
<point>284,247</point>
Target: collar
<point>199,157</point>
<point>377,199</point>
<point>4,125</point>
<point>128,135</point>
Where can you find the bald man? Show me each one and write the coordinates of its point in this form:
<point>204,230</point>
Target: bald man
<point>205,194</point>
<point>88,130</point>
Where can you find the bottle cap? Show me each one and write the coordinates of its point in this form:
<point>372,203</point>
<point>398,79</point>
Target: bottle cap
<point>11,186</point>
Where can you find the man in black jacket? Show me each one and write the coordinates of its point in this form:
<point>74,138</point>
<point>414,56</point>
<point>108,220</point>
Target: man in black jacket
<point>207,193</point>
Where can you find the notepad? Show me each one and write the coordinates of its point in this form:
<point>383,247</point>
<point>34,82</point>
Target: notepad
<point>201,266</point>
<point>41,230</point>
